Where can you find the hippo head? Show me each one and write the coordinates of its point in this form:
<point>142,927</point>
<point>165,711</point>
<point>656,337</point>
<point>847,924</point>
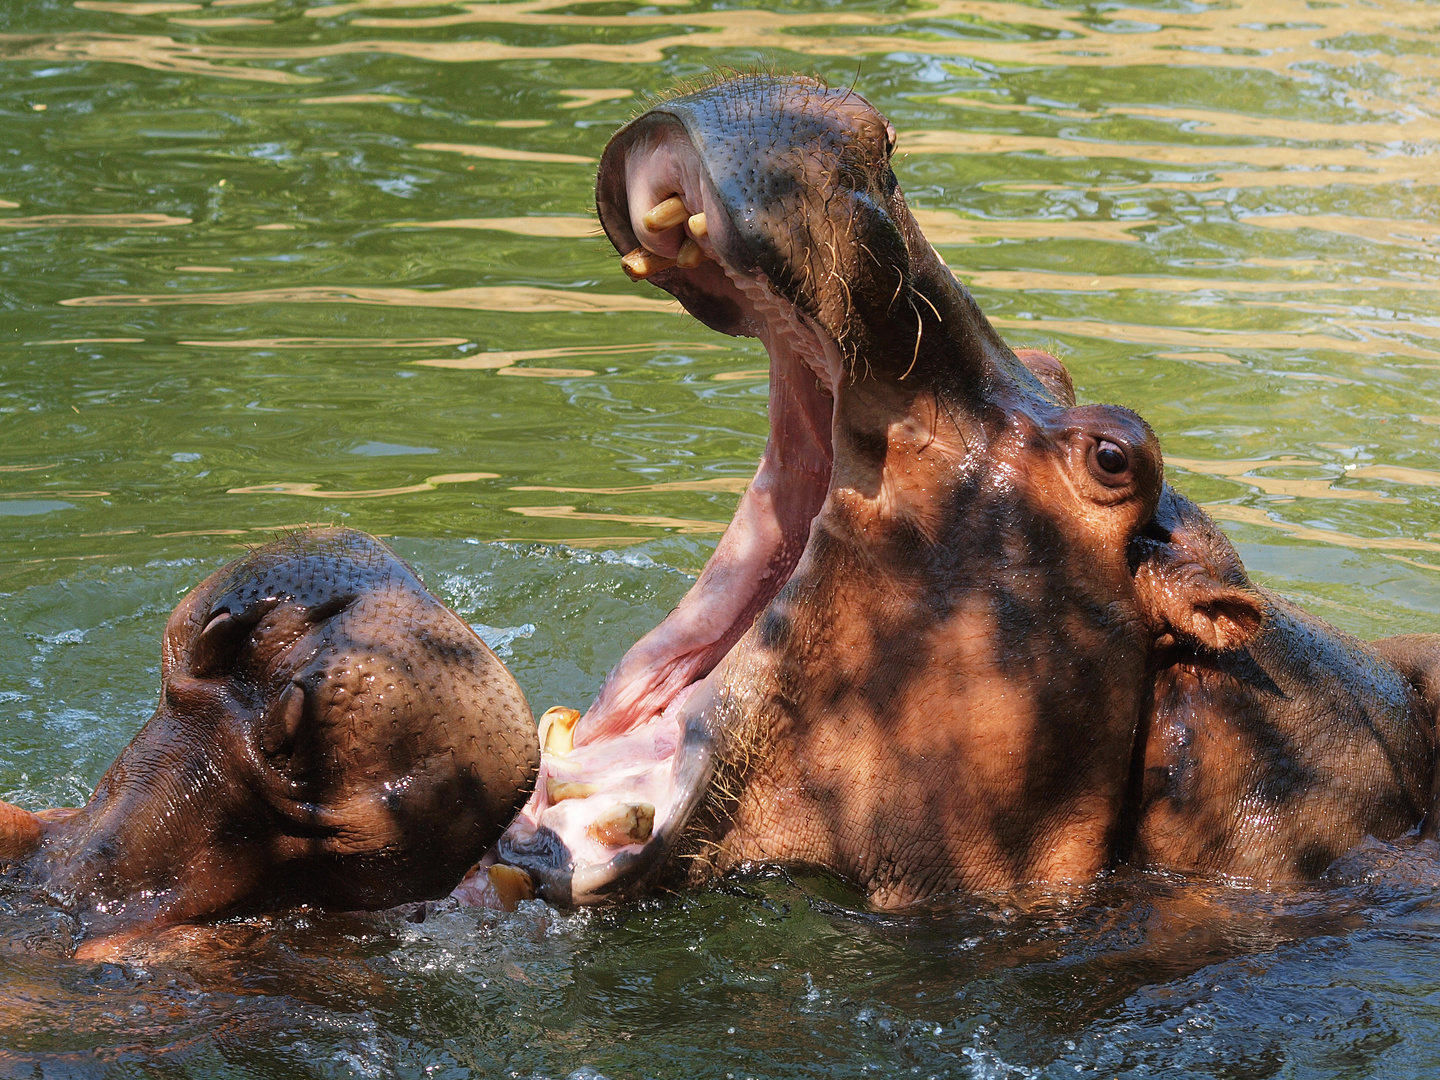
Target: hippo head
<point>328,734</point>
<point>917,655</point>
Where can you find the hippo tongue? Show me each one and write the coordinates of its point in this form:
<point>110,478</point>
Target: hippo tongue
<point>752,562</point>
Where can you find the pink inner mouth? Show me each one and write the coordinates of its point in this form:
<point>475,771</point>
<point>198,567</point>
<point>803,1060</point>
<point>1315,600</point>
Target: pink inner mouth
<point>771,526</point>
<point>624,753</point>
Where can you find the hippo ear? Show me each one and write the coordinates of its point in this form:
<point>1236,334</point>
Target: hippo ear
<point>1182,598</point>
<point>280,723</point>
<point>1053,375</point>
<point>1190,579</point>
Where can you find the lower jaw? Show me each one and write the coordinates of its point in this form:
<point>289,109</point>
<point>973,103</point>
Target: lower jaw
<point>763,544</point>
<point>624,750</point>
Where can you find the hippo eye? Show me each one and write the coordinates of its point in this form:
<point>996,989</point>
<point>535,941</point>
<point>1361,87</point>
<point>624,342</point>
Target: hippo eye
<point>1110,457</point>
<point>1109,463</point>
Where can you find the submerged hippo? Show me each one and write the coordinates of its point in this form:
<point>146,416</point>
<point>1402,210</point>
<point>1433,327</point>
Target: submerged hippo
<point>959,634</point>
<point>328,734</point>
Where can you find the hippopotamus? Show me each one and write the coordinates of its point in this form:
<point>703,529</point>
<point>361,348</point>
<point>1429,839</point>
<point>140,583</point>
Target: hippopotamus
<point>1272,742</point>
<point>328,734</point>
<point>960,633</point>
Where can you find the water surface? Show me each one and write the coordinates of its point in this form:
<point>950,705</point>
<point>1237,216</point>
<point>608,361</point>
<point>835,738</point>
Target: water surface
<point>265,263</point>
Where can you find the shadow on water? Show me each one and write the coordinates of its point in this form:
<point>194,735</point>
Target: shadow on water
<point>771,974</point>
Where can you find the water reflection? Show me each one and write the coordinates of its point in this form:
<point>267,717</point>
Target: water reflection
<point>327,343</point>
<point>1379,345</point>
<point>481,298</point>
<point>560,227</point>
<point>503,359</point>
<point>315,490</point>
<point>1222,216</point>
<point>501,153</point>
<point>1301,38</point>
<point>655,521</point>
<point>93,221</point>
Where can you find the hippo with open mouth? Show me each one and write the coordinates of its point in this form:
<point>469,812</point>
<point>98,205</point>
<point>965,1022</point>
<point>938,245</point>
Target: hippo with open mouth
<point>959,634</point>
<point>328,734</point>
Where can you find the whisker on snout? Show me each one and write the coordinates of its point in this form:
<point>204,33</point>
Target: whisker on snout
<point>330,608</point>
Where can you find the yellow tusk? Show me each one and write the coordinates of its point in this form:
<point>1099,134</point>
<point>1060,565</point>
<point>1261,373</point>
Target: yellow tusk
<point>624,823</point>
<point>690,254</point>
<point>698,228</point>
<point>670,212</point>
<point>511,885</point>
<point>560,790</point>
<point>557,730</point>
<point>640,264</point>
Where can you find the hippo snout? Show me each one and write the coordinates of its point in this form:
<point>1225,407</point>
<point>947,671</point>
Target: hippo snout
<point>328,734</point>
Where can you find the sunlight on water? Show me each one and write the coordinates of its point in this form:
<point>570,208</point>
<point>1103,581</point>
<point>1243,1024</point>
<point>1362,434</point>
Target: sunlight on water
<point>277,262</point>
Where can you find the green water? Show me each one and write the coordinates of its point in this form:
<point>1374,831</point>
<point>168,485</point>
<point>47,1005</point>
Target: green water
<point>264,263</point>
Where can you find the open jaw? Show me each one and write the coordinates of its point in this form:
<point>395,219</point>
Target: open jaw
<point>617,784</point>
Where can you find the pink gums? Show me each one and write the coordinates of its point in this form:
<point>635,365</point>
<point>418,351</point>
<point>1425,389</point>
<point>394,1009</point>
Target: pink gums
<point>625,743</point>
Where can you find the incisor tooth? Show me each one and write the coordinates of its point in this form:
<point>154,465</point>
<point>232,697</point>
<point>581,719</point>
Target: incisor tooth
<point>665,214</point>
<point>690,254</point>
<point>640,264</point>
<point>511,885</point>
<point>560,790</point>
<point>624,823</point>
<point>557,730</point>
<point>698,228</point>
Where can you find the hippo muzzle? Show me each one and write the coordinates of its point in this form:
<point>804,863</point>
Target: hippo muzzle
<point>328,734</point>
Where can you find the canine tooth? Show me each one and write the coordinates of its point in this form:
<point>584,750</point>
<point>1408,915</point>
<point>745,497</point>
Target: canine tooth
<point>624,823</point>
<point>690,254</point>
<point>698,228</point>
<point>557,730</point>
<point>511,884</point>
<point>560,790</point>
<point>640,264</point>
<point>663,215</point>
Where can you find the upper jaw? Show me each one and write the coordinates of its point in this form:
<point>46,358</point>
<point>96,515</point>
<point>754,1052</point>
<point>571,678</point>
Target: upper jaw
<point>649,738</point>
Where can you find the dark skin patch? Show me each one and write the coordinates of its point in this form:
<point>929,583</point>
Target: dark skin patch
<point>336,738</point>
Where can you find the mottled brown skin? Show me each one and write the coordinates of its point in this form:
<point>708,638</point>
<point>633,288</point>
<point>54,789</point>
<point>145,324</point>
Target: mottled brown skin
<point>1008,652</point>
<point>1417,657</point>
<point>328,734</point>
<point>1273,742</point>
<point>945,693</point>
<point>921,730</point>
<point>1270,759</point>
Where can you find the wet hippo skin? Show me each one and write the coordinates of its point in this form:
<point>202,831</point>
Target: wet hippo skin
<point>328,734</point>
<point>1271,759</point>
<point>959,626</point>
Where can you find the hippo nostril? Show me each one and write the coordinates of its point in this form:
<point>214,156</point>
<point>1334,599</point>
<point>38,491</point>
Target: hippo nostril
<point>218,646</point>
<point>330,608</point>
<point>1153,530</point>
